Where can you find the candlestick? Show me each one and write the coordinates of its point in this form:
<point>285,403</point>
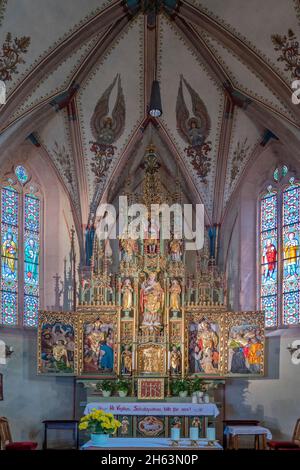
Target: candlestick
<point>175,434</point>
<point>194,434</point>
<point>211,434</point>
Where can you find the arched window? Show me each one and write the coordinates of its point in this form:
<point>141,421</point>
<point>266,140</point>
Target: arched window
<point>279,252</point>
<point>20,211</point>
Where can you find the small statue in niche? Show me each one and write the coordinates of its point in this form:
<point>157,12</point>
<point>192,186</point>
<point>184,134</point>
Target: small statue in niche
<point>127,296</point>
<point>126,359</point>
<point>175,361</point>
<point>124,426</point>
<point>128,249</point>
<point>175,249</point>
<point>175,291</point>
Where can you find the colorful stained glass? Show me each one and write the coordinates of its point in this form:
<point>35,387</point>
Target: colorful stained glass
<point>9,308</point>
<point>269,306</point>
<point>9,206</point>
<point>269,257</point>
<point>291,253</point>
<point>31,307</point>
<point>9,256</point>
<point>269,211</point>
<point>21,174</point>
<point>31,259</point>
<point>32,213</point>
<point>291,308</point>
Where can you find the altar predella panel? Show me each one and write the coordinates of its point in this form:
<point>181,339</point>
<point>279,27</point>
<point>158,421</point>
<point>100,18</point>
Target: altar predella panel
<point>216,344</point>
<point>151,313</point>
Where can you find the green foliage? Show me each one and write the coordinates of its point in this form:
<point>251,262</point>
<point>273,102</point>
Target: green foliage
<point>180,385</point>
<point>122,386</point>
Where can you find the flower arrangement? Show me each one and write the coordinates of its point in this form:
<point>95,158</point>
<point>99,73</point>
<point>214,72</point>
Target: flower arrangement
<point>122,386</point>
<point>99,422</point>
<point>180,387</point>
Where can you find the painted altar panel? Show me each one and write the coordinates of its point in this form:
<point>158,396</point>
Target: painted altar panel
<point>244,344</point>
<point>204,333</point>
<point>58,343</point>
<point>98,344</point>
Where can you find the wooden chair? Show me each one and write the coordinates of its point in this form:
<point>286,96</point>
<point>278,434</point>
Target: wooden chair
<point>6,442</point>
<point>294,444</point>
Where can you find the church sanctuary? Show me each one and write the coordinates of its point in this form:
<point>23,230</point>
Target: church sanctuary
<point>149,229</point>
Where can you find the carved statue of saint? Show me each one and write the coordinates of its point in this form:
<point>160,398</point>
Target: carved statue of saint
<point>151,301</point>
<point>175,248</point>
<point>124,426</point>
<point>175,291</point>
<point>175,361</point>
<point>126,358</point>
<point>127,295</point>
<point>128,248</point>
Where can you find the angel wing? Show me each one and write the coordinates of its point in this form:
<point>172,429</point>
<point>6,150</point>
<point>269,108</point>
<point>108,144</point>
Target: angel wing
<point>182,114</point>
<point>118,113</point>
<point>101,110</point>
<point>199,111</point>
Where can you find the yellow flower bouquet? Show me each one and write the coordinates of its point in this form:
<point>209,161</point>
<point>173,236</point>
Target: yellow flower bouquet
<point>98,423</point>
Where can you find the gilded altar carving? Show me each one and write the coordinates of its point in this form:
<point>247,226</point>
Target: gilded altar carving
<point>151,359</point>
<point>148,314</point>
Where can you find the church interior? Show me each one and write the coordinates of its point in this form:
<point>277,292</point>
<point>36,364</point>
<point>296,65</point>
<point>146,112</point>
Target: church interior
<point>149,340</point>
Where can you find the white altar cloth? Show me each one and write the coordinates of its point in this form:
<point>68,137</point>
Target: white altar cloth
<point>247,430</point>
<point>153,443</point>
<point>155,409</point>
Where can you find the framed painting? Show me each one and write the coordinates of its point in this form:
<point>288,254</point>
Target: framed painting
<point>151,389</point>
<point>98,340</point>
<point>57,339</point>
<point>245,344</point>
<point>205,343</point>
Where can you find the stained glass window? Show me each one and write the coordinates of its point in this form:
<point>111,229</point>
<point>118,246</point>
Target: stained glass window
<point>290,242</point>
<point>280,254</point>
<point>31,259</point>
<point>268,255</point>
<point>9,255</point>
<point>20,252</point>
<point>21,174</point>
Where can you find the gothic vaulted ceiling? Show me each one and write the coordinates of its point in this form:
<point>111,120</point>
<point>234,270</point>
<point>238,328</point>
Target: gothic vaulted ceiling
<point>78,77</point>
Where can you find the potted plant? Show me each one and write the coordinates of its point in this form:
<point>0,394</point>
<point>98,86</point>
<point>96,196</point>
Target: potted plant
<point>100,425</point>
<point>181,388</point>
<point>122,388</point>
<point>107,387</point>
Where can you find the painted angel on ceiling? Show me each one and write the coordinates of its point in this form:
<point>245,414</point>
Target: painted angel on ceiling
<point>193,129</point>
<point>106,127</point>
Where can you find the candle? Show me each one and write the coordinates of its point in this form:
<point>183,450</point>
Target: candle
<point>211,434</point>
<point>194,434</point>
<point>175,434</point>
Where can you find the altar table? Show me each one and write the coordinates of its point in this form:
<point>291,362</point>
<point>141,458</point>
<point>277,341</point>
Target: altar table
<point>122,443</point>
<point>234,432</point>
<point>155,409</point>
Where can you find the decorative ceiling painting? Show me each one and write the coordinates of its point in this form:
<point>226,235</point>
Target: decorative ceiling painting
<point>245,136</point>
<point>80,90</point>
<point>59,79</point>
<point>195,107</point>
<point>245,78</point>
<point>54,140</point>
<point>59,19</point>
<point>111,96</point>
<point>247,27</point>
